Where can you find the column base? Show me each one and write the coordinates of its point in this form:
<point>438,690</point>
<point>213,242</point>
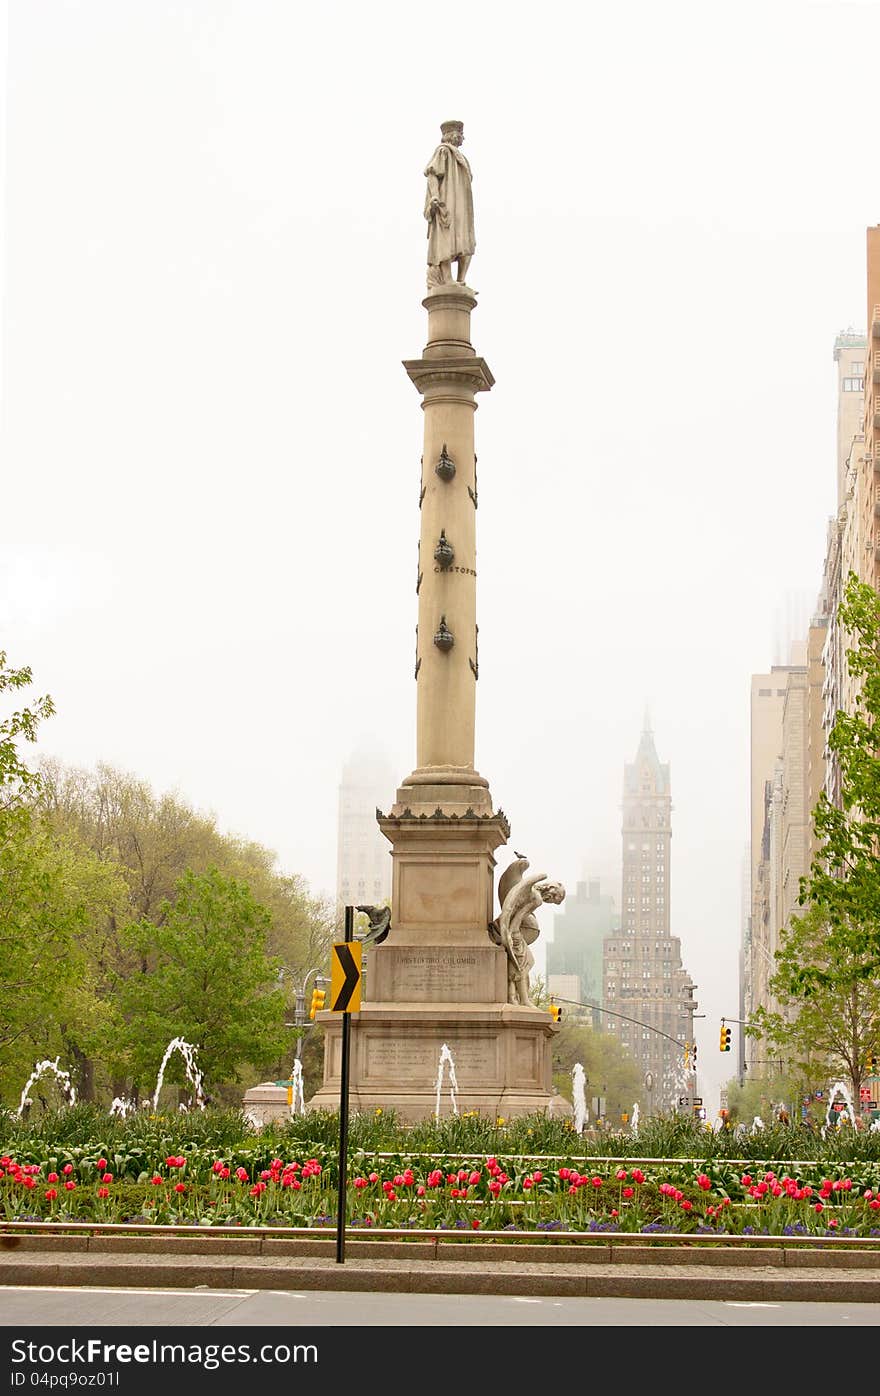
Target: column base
<point>501,1053</point>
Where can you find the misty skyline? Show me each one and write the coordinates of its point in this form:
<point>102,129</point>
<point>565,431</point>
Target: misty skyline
<point>213,267</point>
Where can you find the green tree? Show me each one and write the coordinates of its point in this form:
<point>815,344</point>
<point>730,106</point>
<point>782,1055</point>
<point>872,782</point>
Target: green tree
<point>206,976</point>
<point>156,839</point>
<point>835,1026</point>
<point>16,778</point>
<point>760,1094</point>
<point>844,880</point>
<point>609,1072</point>
<point>54,891</point>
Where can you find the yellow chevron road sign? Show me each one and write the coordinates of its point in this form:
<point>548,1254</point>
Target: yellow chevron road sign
<point>345,977</point>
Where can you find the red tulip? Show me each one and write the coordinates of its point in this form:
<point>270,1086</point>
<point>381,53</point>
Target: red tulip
<point>180,1187</point>
<point>51,1194</point>
<point>103,1192</point>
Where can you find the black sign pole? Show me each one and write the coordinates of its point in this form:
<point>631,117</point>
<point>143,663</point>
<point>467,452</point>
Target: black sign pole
<point>343,1111</point>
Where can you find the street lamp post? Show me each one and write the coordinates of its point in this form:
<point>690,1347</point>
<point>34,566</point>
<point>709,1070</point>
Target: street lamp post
<point>299,1007</point>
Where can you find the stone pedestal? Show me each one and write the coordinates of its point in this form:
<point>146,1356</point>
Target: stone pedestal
<point>265,1103</point>
<point>437,980</point>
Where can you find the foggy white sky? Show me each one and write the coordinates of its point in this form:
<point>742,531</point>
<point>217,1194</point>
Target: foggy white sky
<point>214,265</point>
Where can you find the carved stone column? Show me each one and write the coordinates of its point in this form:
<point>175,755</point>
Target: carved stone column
<point>448,375</point>
<point>439,979</point>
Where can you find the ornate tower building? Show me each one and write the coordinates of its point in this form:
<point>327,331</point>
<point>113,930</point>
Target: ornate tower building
<point>644,979</point>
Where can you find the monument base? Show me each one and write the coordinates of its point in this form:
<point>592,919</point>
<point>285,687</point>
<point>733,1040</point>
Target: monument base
<point>500,1052</point>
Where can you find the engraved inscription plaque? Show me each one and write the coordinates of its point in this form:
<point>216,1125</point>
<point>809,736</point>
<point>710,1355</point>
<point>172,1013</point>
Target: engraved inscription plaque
<point>414,1060</point>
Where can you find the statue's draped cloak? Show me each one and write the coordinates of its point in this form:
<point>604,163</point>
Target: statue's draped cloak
<point>451,233</point>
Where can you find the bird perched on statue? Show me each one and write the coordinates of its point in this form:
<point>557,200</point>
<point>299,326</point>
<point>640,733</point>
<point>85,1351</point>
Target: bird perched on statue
<point>380,924</point>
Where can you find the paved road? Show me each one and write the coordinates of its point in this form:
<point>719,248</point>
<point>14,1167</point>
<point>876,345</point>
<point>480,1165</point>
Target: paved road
<point>31,1307</point>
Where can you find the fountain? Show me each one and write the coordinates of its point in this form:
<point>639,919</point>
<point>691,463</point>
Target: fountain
<point>446,1060</point>
<point>579,1098</point>
<point>831,1115</point>
<point>635,1118</point>
<point>194,1075</point>
<point>41,1068</point>
<point>297,1101</point>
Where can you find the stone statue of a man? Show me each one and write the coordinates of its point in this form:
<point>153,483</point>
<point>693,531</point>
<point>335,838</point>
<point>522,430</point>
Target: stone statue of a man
<point>449,208</point>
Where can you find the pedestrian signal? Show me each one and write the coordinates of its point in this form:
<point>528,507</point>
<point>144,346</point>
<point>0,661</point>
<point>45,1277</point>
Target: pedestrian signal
<point>318,997</point>
<point>724,1043</point>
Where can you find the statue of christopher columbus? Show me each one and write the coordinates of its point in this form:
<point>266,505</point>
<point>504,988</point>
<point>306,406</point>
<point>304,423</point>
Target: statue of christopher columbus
<point>449,208</point>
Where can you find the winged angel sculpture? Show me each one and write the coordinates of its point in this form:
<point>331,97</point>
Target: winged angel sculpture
<point>516,929</point>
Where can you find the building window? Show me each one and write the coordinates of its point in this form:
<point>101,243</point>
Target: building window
<point>765,692</point>
<point>853,385</point>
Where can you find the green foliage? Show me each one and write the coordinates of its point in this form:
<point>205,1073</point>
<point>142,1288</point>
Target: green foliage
<point>836,1025</point>
<point>844,881</point>
<point>16,778</point>
<point>827,975</point>
<point>54,893</point>
<point>205,976</point>
<point>609,1070</point>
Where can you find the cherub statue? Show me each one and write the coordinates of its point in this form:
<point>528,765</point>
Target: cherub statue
<point>517,928</point>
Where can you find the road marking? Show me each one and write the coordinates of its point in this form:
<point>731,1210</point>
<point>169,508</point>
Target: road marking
<point>741,1304</point>
<point>119,1289</point>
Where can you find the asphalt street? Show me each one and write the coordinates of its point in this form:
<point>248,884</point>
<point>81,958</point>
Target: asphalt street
<point>31,1307</point>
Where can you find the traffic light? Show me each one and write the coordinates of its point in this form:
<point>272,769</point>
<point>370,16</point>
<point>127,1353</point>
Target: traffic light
<point>318,997</point>
<point>555,1012</point>
<point>873,1063</point>
<point>724,1043</point>
<point>687,1054</point>
<point>694,1055</point>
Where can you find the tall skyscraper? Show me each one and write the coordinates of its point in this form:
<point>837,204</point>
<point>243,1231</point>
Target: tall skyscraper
<point>644,979</point>
<point>575,954</point>
<point>363,862</point>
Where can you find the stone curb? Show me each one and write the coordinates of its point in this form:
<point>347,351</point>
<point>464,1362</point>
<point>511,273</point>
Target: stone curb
<point>658,1278</point>
<point>453,1251</point>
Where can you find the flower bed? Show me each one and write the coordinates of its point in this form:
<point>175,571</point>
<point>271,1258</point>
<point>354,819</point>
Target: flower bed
<point>201,1188</point>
